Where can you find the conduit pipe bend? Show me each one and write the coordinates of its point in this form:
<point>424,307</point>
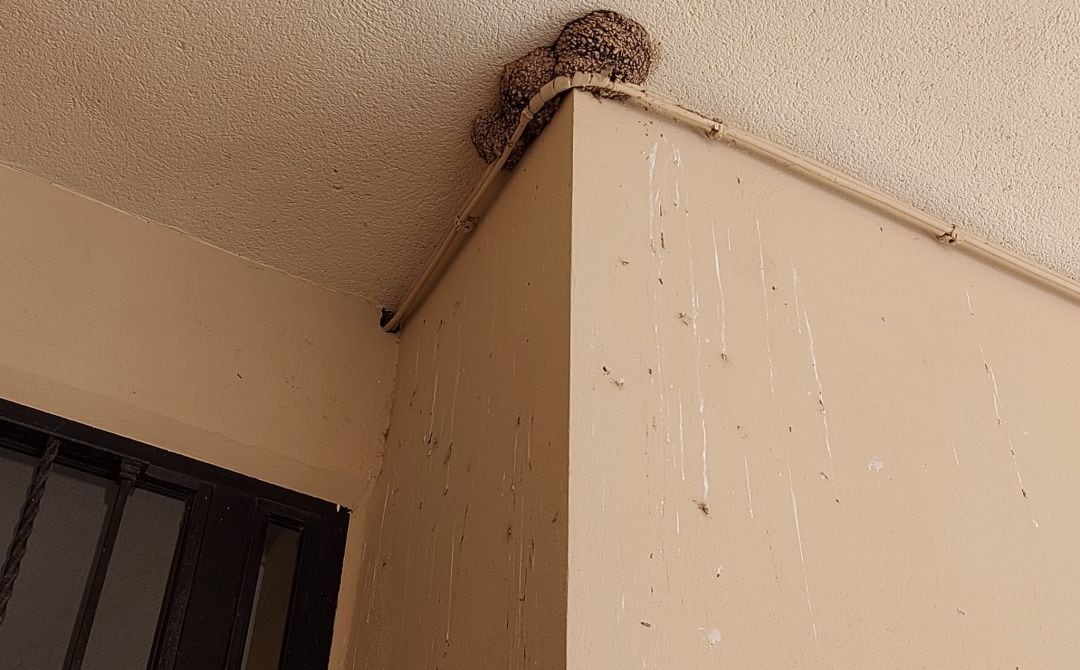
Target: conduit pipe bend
<point>469,215</point>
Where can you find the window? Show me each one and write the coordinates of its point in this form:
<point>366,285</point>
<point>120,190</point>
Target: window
<point>123,556</point>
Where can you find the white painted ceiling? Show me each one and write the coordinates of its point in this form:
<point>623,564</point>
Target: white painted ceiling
<point>329,138</point>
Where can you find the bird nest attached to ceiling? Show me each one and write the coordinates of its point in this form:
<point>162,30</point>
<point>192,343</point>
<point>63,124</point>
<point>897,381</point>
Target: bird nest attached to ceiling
<point>603,41</point>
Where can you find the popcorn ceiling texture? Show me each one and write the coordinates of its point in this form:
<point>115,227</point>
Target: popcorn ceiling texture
<point>330,139</point>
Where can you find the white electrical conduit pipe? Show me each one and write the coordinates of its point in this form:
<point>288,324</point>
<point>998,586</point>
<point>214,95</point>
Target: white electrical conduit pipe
<point>468,216</point>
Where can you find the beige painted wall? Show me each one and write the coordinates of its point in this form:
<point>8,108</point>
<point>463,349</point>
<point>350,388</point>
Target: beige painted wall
<point>466,559</point>
<point>803,435</point>
<point>141,331</point>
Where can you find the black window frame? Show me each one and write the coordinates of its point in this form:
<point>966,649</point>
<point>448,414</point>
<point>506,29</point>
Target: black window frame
<point>210,590</point>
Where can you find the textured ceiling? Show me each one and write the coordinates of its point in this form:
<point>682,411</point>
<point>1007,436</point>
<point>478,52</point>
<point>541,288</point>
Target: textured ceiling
<point>328,138</point>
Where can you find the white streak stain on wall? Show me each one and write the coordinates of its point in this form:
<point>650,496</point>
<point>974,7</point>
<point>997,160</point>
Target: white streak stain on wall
<point>654,290</point>
<point>375,568</point>
<point>802,553</point>
<point>993,382</point>
<point>682,442</point>
<point>450,585</point>
<point>457,368</point>
<point>721,307</point>
<point>1001,421</point>
<point>765,299</point>
<point>817,379</point>
<point>795,292</point>
<point>695,316</point>
<point>749,496</point>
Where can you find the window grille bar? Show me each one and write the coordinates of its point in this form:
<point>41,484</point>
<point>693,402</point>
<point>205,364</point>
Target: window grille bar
<point>25,524</point>
<point>129,470</point>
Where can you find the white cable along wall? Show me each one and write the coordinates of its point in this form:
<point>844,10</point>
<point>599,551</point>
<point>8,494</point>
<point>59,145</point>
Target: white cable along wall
<point>469,215</point>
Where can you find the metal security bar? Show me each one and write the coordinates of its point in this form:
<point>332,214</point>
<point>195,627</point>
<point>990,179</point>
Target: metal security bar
<point>129,471</point>
<point>25,524</point>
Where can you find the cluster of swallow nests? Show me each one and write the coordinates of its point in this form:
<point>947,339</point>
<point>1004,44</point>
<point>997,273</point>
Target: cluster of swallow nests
<point>603,41</point>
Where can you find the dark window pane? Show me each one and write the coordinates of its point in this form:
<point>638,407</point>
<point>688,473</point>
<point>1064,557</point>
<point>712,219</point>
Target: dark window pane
<point>131,598</point>
<point>50,585</point>
<point>266,630</point>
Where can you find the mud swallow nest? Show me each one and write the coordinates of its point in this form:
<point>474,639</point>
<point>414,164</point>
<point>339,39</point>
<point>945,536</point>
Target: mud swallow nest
<point>602,41</point>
